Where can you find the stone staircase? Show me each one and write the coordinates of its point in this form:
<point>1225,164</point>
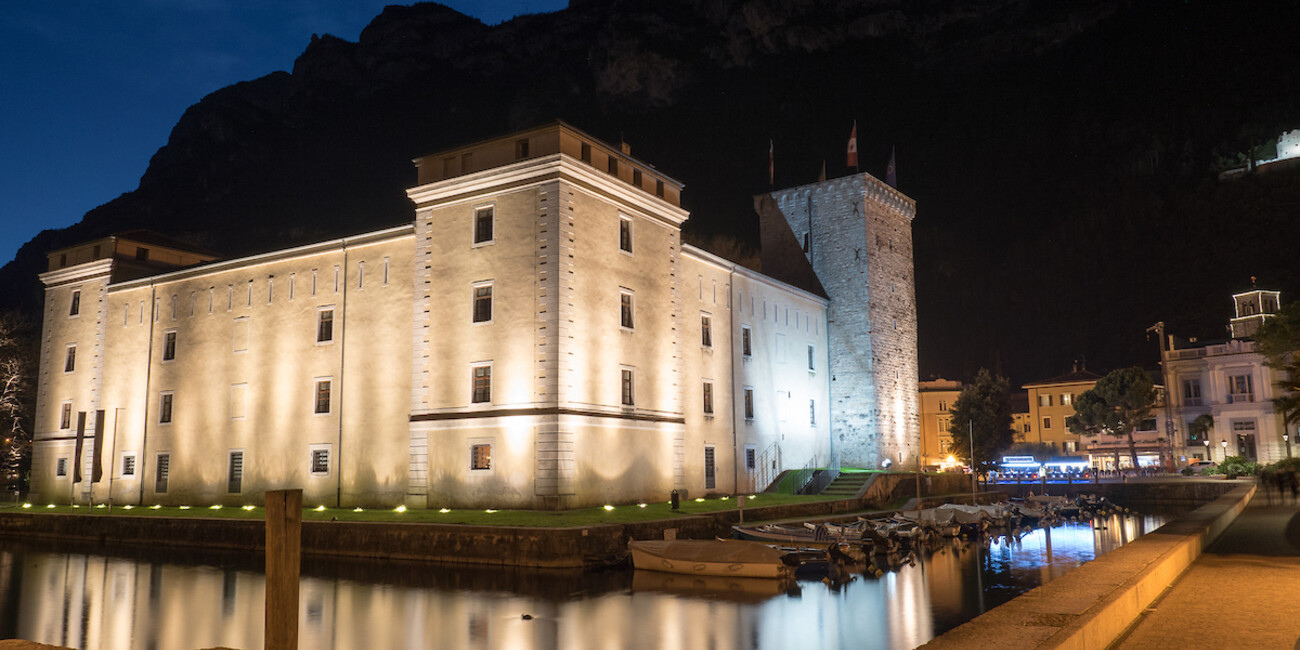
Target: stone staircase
<point>848,484</point>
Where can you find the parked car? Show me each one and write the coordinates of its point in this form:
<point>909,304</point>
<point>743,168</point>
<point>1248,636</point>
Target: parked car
<point>1196,466</point>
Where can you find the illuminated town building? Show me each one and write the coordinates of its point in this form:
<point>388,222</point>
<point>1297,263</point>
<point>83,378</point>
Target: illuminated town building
<point>537,337</point>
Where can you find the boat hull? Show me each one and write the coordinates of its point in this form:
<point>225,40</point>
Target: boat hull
<point>709,558</point>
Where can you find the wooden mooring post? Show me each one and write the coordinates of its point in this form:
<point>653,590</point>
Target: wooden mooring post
<point>283,557</point>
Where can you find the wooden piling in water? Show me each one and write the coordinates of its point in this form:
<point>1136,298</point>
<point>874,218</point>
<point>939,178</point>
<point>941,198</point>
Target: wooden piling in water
<point>283,560</point>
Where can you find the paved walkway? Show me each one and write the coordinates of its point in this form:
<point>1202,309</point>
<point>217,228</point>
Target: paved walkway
<point>1243,592</point>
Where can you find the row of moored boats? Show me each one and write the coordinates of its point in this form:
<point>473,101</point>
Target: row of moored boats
<point>778,550</point>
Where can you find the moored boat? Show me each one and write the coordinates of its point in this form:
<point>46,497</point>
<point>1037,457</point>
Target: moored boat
<point>707,557</point>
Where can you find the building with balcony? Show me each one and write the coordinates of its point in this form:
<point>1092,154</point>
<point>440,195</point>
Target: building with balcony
<point>1229,381</point>
<point>538,337</point>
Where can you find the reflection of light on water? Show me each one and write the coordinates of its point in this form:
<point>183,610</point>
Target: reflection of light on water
<point>93,601</point>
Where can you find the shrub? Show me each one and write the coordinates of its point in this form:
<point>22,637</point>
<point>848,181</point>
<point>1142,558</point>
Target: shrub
<point>1234,466</point>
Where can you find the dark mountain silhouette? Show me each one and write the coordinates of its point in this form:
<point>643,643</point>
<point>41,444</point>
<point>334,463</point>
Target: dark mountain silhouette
<point>1061,153</point>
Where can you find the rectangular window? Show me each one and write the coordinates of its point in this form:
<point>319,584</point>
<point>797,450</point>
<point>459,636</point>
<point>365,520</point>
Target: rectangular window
<point>61,467</point>
<point>710,469</point>
<point>320,461</point>
<point>238,399</point>
<point>613,166</point>
<point>1240,389</point>
<point>322,396</point>
<point>1047,422</point>
<point>65,416</point>
<point>1191,392</point>
<point>706,330</point>
<point>70,360</point>
<point>708,398</point>
<point>162,473</point>
<point>75,307</point>
<point>749,403</point>
<point>1066,399</point>
<point>240,337</point>
<point>628,392</point>
<point>169,346</point>
<point>521,149</point>
<point>746,341</point>
<point>585,154</point>
<point>165,408</point>
<point>483,303</point>
<point>235,477</point>
<point>751,457</point>
<point>483,225</point>
<point>480,457</point>
<point>481,384</point>
<point>636,177</point>
<point>812,356</point>
<point>141,254</point>
<point>1044,400</point>
<point>625,309</point>
<point>325,325</point>
<point>625,234</point>
<point>659,188</point>
<point>128,465</point>
<point>812,412</point>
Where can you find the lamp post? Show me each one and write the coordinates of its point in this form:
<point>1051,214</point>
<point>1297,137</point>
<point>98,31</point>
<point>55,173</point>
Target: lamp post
<point>1224,442</point>
<point>1206,440</point>
<point>1287,439</point>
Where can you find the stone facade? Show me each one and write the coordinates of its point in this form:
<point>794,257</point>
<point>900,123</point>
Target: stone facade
<point>538,337</point>
<point>854,234</point>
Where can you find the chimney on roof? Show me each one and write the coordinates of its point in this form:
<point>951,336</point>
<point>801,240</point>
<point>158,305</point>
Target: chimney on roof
<point>626,148</point>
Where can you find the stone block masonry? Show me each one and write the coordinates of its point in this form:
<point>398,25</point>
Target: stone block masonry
<point>855,235</point>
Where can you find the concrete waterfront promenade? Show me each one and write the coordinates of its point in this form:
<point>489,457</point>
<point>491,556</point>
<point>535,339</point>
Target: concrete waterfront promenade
<point>1244,592</point>
<point>1226,575</point>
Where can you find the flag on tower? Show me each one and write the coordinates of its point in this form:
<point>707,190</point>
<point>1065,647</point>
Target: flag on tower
<point>852,158</point>
<point>770,168</point>
<point>891,172</point>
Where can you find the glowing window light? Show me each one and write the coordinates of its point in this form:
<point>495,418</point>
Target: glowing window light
<point>640,505</point>
<point>320,508</point>
<point>357,509</point>
<point>445,510</point>
<point>27,505</point>
<point>401,508</point>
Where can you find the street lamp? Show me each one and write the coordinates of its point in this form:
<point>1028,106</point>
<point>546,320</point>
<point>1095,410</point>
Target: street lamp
<point>1287,439</point>
<point>1224,442</point>
<point>1206,440</point>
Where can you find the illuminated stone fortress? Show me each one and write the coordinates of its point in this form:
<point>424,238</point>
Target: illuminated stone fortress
<point>538,337</point>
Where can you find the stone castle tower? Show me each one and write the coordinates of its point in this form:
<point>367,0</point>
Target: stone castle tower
<point>850,238</point>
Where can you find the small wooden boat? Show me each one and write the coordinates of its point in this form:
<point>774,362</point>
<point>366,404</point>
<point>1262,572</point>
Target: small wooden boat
<point>708,557</point>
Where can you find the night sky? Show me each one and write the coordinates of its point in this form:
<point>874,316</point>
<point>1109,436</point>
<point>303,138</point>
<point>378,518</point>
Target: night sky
<point>92,89</point>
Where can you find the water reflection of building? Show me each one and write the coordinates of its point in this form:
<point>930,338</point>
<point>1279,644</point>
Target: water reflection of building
<point>537,337</point>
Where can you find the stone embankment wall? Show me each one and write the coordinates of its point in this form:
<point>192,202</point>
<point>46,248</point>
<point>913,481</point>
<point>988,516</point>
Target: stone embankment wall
<point>584,546</point>
<point>1094,604</point>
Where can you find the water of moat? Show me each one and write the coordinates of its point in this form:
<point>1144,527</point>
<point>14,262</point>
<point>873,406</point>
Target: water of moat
<point>82,597</point>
